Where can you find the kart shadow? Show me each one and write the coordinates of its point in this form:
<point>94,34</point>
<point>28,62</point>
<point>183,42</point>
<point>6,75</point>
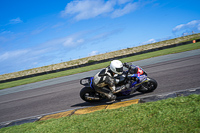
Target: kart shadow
<point>104,102</point>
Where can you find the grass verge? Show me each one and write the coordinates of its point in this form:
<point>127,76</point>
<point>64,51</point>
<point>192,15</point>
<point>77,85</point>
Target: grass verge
<point>100,65</point>
<point>178,115</point>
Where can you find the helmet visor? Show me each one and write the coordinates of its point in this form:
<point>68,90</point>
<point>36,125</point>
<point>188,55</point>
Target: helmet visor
<point>119,70</point>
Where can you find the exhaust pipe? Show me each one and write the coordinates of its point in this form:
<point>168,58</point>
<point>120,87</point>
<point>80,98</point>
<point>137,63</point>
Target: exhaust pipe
<point>92,98</point>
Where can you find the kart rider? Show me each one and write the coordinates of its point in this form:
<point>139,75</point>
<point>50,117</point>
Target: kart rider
<point>105,82</point>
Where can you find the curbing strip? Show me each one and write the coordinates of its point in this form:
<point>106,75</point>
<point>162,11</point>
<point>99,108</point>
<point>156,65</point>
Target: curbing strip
<point>57,115</point>
<point>80,111</point>
<point>89,109</point>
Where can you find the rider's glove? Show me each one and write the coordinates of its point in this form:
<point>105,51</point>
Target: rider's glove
<point>126,65</point>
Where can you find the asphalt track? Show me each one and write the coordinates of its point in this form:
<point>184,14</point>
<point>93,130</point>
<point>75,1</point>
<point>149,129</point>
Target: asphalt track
<point>173,72</point>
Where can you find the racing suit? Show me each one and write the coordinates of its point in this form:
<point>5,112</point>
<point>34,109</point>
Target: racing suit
<point>105,83</point>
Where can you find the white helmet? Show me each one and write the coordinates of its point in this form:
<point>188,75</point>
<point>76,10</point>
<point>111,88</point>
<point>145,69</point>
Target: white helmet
<point>116,66</point>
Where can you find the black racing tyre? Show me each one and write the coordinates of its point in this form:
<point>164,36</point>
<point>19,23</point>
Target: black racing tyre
<point>86,91</point>
<point>149,86</point>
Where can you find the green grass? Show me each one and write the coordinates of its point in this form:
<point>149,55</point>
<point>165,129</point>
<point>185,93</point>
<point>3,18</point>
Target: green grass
<point>174,115</point>
<point>100,65</point>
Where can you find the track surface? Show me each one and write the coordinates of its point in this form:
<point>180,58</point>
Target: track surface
<point>171,74</point>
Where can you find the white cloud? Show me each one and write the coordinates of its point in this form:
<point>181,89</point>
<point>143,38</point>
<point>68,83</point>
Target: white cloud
<point>71,42</point>
<point>128,8</point>
<point>149,41</point>
<point>54,50</point>
<point>6,32</point>
<point>123,1</point>
<point>37,31</point>
<point>12,54</point>
<point>93,53</point>
<point>15,21</point>
<point>190,26</point>
<point>85,9</point>
<point>59,24</point>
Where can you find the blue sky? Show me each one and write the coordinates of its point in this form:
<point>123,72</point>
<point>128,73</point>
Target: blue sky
<point>42,32</point>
